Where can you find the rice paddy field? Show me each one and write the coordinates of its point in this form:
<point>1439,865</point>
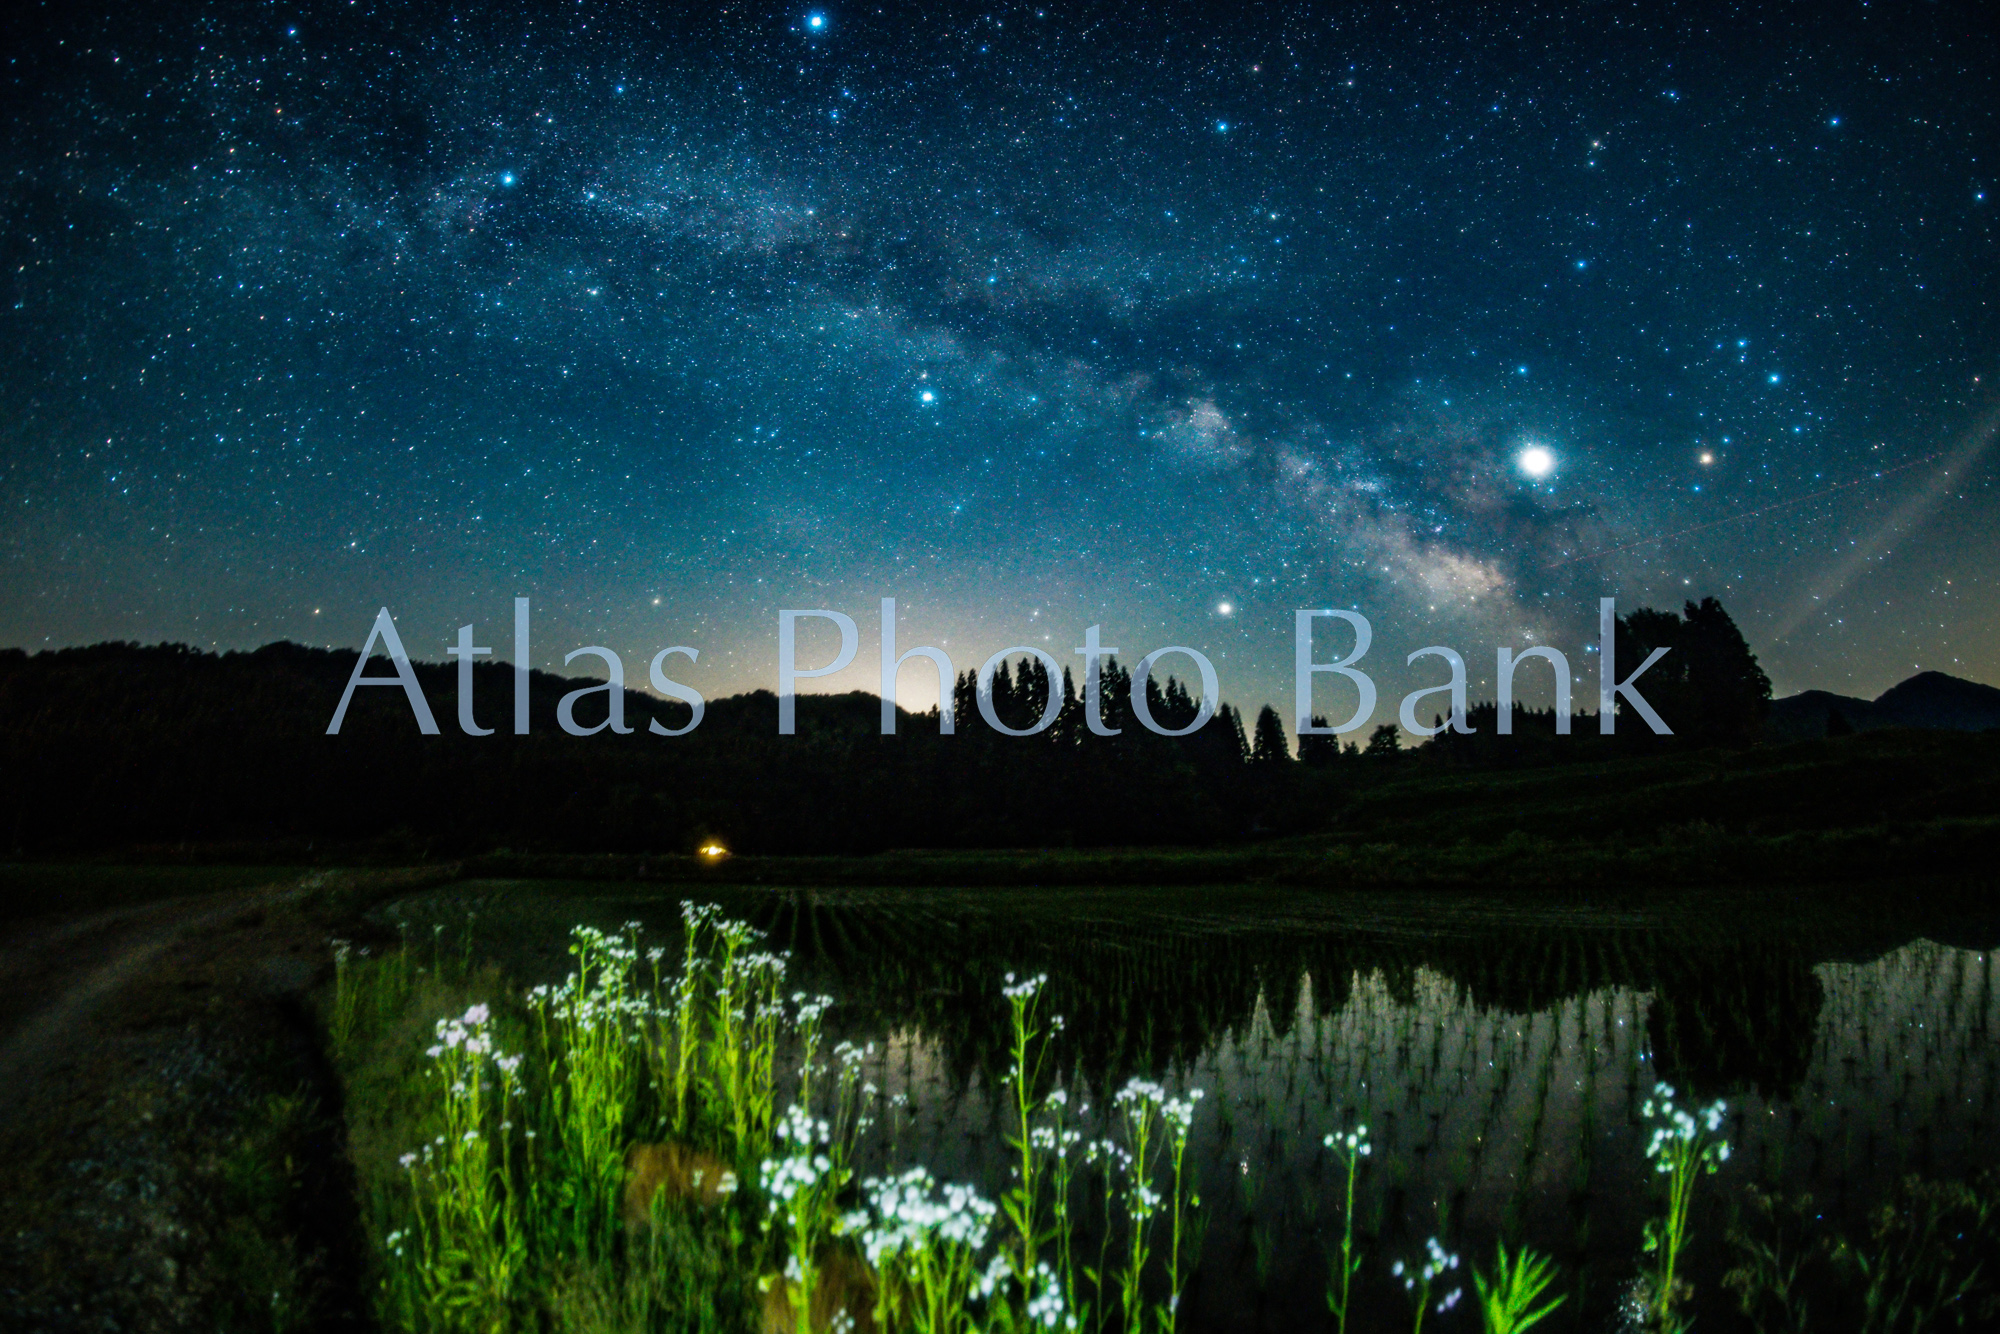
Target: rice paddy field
<point>587,1106</point>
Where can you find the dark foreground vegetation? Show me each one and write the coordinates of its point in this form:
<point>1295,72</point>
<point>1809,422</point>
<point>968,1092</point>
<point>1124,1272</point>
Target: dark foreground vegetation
<point>224,1145</point>
<point>174,753</point>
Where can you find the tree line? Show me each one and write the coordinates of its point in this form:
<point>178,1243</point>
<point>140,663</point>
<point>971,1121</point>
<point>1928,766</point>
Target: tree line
<point>117,746</point>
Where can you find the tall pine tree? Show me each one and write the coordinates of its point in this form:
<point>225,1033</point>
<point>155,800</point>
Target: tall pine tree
<point>1268,746</point>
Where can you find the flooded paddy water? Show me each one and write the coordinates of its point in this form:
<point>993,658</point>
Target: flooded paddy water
<point>1500,1052</point>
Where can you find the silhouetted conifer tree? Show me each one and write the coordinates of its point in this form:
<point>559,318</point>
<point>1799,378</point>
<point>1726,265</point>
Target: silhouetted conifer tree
<point>1069,730</point>
<point>1318,752</point>
<point>1230,724</point>
<point>1268,746</point>
<point>965,701</point>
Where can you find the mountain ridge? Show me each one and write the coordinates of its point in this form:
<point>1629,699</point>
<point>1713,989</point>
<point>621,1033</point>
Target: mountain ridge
<point>1931,699</point>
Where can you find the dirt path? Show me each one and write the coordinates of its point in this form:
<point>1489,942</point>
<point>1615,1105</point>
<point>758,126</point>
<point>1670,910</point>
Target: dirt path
<point>172,1140</point>
<point>57,976</point>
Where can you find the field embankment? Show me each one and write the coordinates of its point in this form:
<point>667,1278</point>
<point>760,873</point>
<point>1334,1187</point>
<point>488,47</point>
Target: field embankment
<point>172,1150</point>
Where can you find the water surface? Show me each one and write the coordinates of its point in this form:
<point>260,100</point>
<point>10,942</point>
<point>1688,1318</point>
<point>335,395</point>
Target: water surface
<point>1498,1048</point>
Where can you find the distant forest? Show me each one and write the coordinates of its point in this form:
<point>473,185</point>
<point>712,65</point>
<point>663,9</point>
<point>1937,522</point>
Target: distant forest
<point>121,746</point>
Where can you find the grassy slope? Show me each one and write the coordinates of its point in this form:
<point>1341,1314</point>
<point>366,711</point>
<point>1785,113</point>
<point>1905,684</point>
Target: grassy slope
<point>1830,785</point>
<point>1881,804</point>
<point>1877,805</point>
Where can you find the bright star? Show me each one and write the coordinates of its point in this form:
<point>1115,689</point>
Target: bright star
<point>816,21</point>
<point>1707,457</point>
<point>1537,461</point>
<point>1225,608</point>
<point>1222,127</point>
<point>927,396</point>
<point>506,178</point>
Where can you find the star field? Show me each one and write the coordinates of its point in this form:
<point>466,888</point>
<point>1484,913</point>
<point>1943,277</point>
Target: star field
<point>1172,319</point>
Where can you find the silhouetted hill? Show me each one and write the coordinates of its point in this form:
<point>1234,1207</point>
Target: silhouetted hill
<point>1808,714</point>
<point>1926,700</point>
<point>119,745</point>
<point>1933,699</point>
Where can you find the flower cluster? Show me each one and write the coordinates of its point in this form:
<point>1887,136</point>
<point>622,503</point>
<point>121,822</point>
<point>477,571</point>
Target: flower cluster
<point>589,1004</point>
<point>1435,1264</point>
<point>1353,1144</point>
<point>787,1178</point>
<point>914,1213</point>
<point>1179,1112</point>
<point>998,1270</point>
<point>1048,1139</point>
<point>764,961</point>
<point>1679,1130</point>
<point>1025,989</point>
<point>810,1008</point>
<point>1109,1152</point>
<point>725,1182</point>
<point>467,1031</point>
<point>1046,1308</point>
<point>799,1128</point>
<point>802,1170</point>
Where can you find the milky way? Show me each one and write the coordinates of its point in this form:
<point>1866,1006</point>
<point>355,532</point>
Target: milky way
<point>1167,319</point>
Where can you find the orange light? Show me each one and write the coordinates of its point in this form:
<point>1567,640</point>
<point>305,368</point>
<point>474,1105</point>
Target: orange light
<point>712,850</point>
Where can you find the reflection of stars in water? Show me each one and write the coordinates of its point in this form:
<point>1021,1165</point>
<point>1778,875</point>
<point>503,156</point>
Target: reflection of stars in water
<point>1925,1006</point>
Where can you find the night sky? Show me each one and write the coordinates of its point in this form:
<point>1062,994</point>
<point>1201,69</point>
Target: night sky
<point>1164,317</point>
